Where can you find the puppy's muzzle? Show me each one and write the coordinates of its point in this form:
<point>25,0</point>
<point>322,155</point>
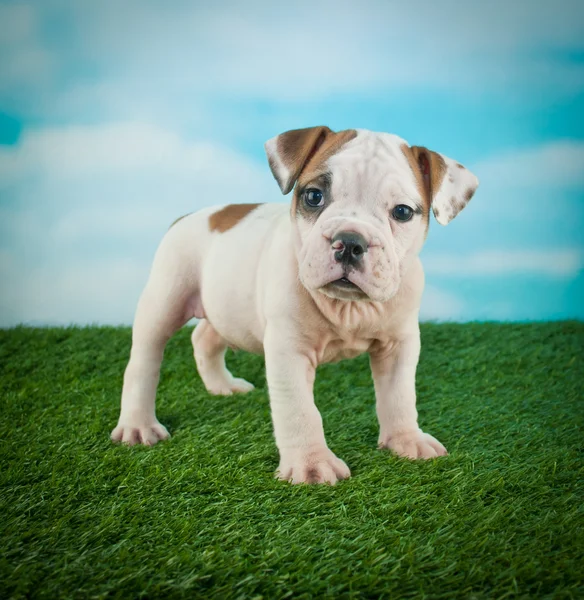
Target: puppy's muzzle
<point>349,248</point>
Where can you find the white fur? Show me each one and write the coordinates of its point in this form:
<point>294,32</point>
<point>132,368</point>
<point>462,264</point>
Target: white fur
<point>281,173</point>
<point>450,198</point>
<point>258,287</point>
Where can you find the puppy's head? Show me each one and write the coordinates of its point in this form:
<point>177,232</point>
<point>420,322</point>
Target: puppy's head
<point>361,205</point>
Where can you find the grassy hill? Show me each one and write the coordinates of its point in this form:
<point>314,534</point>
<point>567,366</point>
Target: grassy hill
<point>202,516</point>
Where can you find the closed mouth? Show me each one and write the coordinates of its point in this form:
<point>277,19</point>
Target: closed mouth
<point>345,283</point>
<point>346,288</point>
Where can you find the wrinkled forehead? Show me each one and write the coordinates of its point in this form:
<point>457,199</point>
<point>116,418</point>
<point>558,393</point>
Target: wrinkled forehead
<point>372,163</point>
<point>368,166</point>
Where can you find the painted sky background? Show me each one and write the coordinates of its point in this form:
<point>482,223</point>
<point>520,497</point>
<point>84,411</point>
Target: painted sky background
<point>115,118</point>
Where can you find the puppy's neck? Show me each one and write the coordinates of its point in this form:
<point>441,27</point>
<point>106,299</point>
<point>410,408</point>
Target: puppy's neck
<point>349,316</point>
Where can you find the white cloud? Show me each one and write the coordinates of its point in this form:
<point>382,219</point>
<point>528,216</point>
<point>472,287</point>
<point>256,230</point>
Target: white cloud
<point>90,206</point>
<point>547,263</point>
<point>148,56</point>
<point>122,147</point>
<point>559,163</point>
<point>125,177</point>
<point>103,292</point>
<point>529,195</point>
<point>438,305</point>
<point>310,47</point>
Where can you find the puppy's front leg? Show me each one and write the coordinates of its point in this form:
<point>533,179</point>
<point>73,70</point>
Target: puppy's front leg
<point>304,454</point>
<point>394,376</point>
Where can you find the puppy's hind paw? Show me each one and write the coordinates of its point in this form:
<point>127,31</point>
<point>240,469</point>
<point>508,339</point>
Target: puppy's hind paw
<point>225,388</point>
<point>241,386</point>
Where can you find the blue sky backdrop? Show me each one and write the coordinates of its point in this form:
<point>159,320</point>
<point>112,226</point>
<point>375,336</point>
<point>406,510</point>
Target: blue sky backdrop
<point>117,117</point>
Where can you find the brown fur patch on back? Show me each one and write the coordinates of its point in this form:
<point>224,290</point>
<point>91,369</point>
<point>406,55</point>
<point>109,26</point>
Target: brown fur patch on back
<point>229,216</point>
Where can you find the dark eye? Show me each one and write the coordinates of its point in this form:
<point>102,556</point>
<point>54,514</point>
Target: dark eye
<point>313,198</point>
<point>402,213</point>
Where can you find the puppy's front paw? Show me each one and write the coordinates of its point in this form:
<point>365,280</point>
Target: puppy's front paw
<point>414,444</point>
<point>131,433</point>
<point>314,467</point>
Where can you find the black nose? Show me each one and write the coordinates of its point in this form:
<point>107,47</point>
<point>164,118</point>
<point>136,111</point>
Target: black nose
<point>350,248</point>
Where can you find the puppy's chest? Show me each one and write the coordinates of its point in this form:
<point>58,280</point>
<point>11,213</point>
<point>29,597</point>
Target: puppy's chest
<point>332,349</point>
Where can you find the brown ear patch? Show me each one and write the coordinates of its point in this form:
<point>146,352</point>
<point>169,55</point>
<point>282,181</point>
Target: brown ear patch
<point>295,148</point>
<point>298,146</point>
<point>428,167</point>
<point>229,216</point>
<point>415,167</point>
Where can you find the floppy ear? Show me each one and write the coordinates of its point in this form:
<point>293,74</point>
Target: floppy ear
<point>289,152</point>
<point>447,184</point>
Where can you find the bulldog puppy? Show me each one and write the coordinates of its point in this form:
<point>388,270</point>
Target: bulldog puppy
<point>332,275</point>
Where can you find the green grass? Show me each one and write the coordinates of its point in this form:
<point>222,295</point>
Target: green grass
<point>202,516</point>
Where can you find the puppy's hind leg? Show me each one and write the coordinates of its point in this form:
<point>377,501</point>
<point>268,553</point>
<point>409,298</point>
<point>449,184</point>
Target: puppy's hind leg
<point>209,349</point>
<point>166,305</point>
